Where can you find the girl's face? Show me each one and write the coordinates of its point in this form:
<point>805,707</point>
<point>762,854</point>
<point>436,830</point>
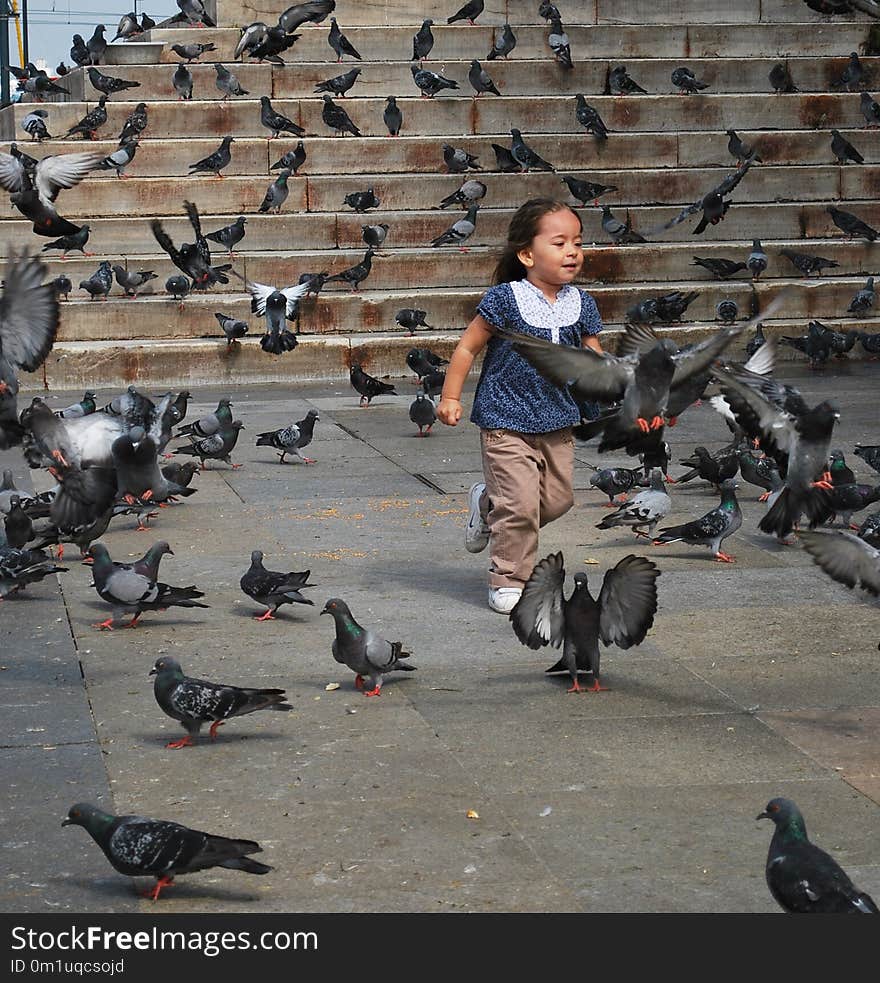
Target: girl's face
<point>556,253</point>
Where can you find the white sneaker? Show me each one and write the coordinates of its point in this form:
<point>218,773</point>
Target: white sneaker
<point>476,532</point>
<point>504,599</point>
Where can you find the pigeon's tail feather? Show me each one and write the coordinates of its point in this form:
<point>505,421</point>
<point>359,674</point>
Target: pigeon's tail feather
<point>247,865</point>
<point>672,534</point>
<point>278,344</point>
<point>181,597</point>
<point>689,475</point>
<point>785,512</point>
<point>865,903</point>
<point>265,439</point>
<point>265,699</point>
<point>816,505</point>
<point>560,666</point>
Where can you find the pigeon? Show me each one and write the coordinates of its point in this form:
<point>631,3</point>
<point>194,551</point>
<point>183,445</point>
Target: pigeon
<point>721,269</point>
<point>275,122</point>
<point>251,36</point>
<point>132,280</point>
<point>727,311</point>
<point>79,53</point>
<point>277,307</point>
<point>422,413</point>
<point>459,232</point>
<point>559,44</point>
<point>367,386</point>
<point>18,526</point>
<point>365,652</point>
<point>147,22</point>
<point>182,82</point>
<point>458,161</point>
<point>207,426</point>
<point>97,45</point>
<point>621,615</point>
<point>843,150</point>
<point>712,204</point>
<point>853,226</point>
<point>119,159</point>
<point>339,84</point>
<point>276,193</point>
<point>62,285</point>
<point>34,124</point>
<point>586,192</point>
<point>293,160</point>
<point>870,454</point>
<point>283,440</point>
<point>193,259</point>
<point>807,264</point>
<point>360,201</point>
<point>217,447</point>
<point>313,11</point>
<point>740,151</point>
<point>590,119</point>
<point>714,468</point>
<point>503,45</point>
<point>863,300</point>
<point>846,499</point>
<point>232,327</point>
<point>467,194</point>
<point>77,241</point>
<point>853,76</point>
<point>794,435</point>
<point>469,12</point>
<point>412,318</point>
<point>228,83</point>
<point>757,261</point>
<point>273,44</point>
<point>621,232</point>
<point>215,162</point>
<point>712,528</point>
<point>130,592</point>
<point>781,80</point>
<point>190,52</point>
<point>142,847</point>
<point>620,84</point>
<point>480,80</point>
<point>128,27</point>
<point>178,286</point>
<point>84,407</point>
<point>870,344</point>
<point>108,84</point>
<point>423,41</point>
<point>230,235</point>
<point>356,274</point>
<point>180,474</point>
<point>20,568</point>
<point>525,156</point>
<point>374,235</point>
<point>760,471</point>
<point>336,118</point>
<point>99,283</point>
<point>195,13</point>
<point>802,877</point>
<point>89,124</point>
<point>40,85</point>
<point>272,589</point>
<point>686,82</point>
<point>615,481</point>
<point>135,459</point>
<point>548,10</point>
<point>340,43</point>
<point>505,161</point>
<point>135,124</point>
<point>314,282</point>
<point>430,83</point>
<point>196,701</point>
<point>644,509</point>
<point>392,117</point>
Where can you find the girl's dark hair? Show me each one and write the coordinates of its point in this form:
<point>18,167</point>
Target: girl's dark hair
<point>523,229</point>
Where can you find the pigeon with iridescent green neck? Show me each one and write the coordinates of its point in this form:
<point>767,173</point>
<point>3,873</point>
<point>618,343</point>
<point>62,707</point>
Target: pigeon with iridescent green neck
<point>803,878</point>
<point>712,528</point>
<point>365,652</point>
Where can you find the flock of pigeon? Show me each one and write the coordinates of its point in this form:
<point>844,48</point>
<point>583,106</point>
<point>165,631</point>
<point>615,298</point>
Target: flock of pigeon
<point>107,461</point>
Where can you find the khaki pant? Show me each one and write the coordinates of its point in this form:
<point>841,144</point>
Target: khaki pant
<point>528,484</point>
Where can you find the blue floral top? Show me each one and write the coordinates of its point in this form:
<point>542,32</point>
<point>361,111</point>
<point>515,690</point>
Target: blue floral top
<point>511,394</point>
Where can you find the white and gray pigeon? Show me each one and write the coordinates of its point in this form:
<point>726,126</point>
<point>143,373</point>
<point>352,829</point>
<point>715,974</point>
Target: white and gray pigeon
<point>710,529</point>
<point>283,440</point>
<point>34,124</point>
<point>277,307</point>
<point>459,232</point>
<point>644,509</point>
<point>621,615</point>
<point>559,43</point>
<point>195,702</point>
<point>364,651</point>
<point>119,159</point>
<point>141,847</point>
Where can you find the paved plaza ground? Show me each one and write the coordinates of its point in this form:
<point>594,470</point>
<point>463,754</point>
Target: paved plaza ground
<point>757,680</point>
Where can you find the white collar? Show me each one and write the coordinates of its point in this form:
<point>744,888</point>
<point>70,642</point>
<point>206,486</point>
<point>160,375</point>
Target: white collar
<point>537,311</point>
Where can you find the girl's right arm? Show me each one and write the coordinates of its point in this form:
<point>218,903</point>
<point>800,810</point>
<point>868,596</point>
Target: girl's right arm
<point>473,340</point>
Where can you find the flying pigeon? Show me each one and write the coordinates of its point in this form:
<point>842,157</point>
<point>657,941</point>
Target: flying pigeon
<point>365,652</point>
<point>367,385</point>
<point>271,588</point>
<point>711,529</point>
<point>272,45</point>
<point>621,615</point>
<point>277,307</point>
<point>193,259</point>
<point>313,11</point>
<point>142,847</point>
<point>195,13</point>
<point>196,701</point>
<point>712,204</point>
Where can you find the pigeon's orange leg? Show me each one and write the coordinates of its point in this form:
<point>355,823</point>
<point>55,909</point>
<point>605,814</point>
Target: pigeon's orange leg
<point>372,692</point>
<point>108,624</point>
<point>212,733</point>
<point>724,558</point>
<point>597,687</point>
<point>183,742</point>
<point>161,882</point>
<point>268,616</point>
<point>358,681</point>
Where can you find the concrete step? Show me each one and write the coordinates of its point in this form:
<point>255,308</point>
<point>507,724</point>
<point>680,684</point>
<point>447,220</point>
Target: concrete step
<point>446,115</point>
<point>684,40</point>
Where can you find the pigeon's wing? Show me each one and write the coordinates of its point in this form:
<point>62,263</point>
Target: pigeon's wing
<point>628,601</point>
<point>845,558</point>
<point>28,314</point>
<point>539,616</point>
<point>695,358</point>
<point>129,587</point>
<point>164,240</point>
<point>12,173</point>
<point>732,180</point>
<point>260,293</point>
<point>293,295</point>
<point>587,373</point>
<point>776,424</point>
<point>637,339</point>
<point>682,216</point>
<point>62,171</point>
<point>192,213</point>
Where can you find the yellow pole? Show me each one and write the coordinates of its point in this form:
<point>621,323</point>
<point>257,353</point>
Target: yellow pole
<point>13,4</point>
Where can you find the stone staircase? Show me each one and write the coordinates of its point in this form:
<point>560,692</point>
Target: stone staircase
<point>664,152</point>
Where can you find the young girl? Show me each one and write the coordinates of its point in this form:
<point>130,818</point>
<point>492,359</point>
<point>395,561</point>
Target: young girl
<point>525,421</point>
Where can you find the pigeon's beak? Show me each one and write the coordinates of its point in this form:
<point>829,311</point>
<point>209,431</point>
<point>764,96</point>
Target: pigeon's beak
<point>66,822</point>
<point>763,815</point>
<point>325,610</point>
<point>152,672</point>
<point>171,552</point>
